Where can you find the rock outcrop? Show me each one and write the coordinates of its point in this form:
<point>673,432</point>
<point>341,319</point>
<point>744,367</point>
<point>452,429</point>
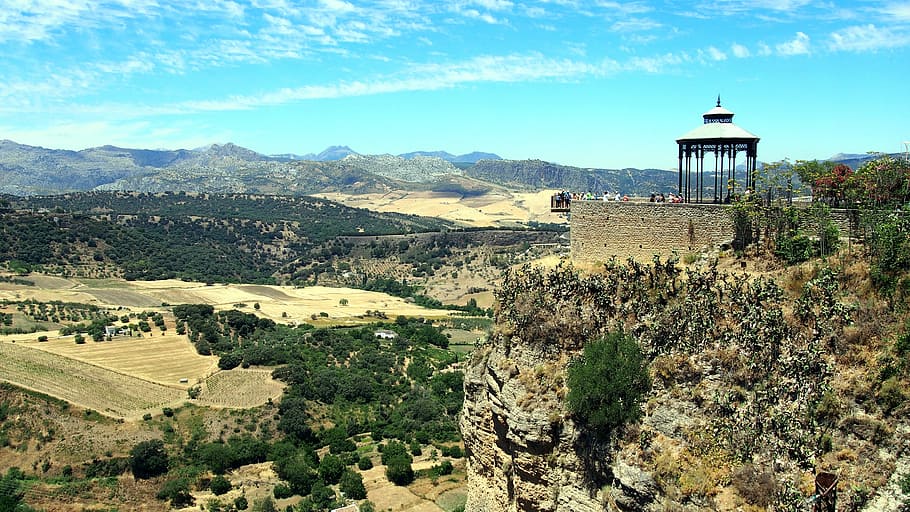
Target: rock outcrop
<point>751,397</point>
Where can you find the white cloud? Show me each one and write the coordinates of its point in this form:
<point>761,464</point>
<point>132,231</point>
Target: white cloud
<point>427,77</point>
<point>739,51</point>
<point>715,54</point>
<point>897,11</point>
<point>635,25</point>
<point>868,38</point>
<point>799,45</point>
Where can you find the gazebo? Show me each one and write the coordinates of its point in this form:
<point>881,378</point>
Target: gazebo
<point>720,136</point>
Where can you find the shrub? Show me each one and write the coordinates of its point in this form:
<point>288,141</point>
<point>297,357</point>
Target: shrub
<point>220,485</point>
<point>891,394</point>
<point>241,503</point>
<point>331,469</point>
<point>177,491</point>
<point>757,487</point>
<point>607,383</point>
<point>351,484</point>
<point>398,463</point>
<point>365,463</point>
<point>282,491</point>
<point>148,459</point>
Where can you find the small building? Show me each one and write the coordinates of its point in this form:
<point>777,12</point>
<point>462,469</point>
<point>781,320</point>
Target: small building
<point>385,334</point>
<point>720,136</point>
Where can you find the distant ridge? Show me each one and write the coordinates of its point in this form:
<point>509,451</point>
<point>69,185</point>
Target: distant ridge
<point>468,158</point>
<point>229,168</point>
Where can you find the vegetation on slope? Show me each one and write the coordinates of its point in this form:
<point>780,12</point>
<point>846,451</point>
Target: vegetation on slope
<point>772,377</point>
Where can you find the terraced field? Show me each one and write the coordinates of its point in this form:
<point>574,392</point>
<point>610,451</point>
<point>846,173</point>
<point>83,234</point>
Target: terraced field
<point>240,389</point>
<point>106,391</point>
<point>162,359</point>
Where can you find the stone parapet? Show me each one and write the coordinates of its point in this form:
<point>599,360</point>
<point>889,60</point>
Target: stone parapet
<point>603,229</point>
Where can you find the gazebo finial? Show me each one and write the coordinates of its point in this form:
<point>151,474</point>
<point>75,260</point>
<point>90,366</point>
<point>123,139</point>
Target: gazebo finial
<point>718,100</point>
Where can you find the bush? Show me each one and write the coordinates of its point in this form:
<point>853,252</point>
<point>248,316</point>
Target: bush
<point>331,469</point>
<point>891,394</point>
<point>282,491</point>
<point>365,463</point>
<point>240,503</point>
<point>398,463</point>
<point>148,459</point>
<point>177,491</point>
<point>220,485</point>
<point>351,484</point>
<point>607,383</point>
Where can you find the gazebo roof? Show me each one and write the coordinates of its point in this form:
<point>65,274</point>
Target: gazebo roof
<point>718,126</point>
<point>718,131</point>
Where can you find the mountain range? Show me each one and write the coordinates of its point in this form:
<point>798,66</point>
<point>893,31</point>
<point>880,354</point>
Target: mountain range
<point>30,170</point>
<point>229,168</point>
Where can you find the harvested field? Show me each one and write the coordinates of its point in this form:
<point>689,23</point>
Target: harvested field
<point>495,208</point>
<point>385,495</point>
<point>240,388</point>
<point>108,392</point>
<point>161,359</point>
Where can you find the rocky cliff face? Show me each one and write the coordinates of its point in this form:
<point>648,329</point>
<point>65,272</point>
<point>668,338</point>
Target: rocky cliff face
<point>753,392</point>
<point>524,454</point>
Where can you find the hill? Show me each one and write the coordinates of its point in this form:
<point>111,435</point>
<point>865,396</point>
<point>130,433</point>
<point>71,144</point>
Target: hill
<point>229,168</point>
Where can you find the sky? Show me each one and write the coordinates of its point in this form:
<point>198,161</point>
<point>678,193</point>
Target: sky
<point>594,83</point>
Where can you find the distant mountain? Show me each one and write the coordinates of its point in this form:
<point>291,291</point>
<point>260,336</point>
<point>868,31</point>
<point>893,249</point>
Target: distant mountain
<point>332,153</point>
<point>469,158</point>
<point>537,174</point>
<point>855,160</point>
<point>229,168</point>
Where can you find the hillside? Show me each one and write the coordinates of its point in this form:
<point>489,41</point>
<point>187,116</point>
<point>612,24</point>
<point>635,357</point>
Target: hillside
<point>229,168</point>
<point>757,383</point>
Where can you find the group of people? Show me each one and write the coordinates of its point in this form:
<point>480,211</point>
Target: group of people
<point>670,198</point>
<point>564,199</point>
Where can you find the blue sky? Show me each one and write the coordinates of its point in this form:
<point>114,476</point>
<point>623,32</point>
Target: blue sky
<point>593,84</point>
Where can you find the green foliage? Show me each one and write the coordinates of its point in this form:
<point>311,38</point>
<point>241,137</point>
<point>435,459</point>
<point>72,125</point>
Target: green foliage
<point>177,491</point>
<point>266,504</point>
<point>365,463</point>
<point>148,459</point>
<point>891,394</point>
<point>330,469</point>
<point>220,485</point>
<point>351,484</point>
<point>607,383</point>
<point>241,503</point>
<point>12,492</point>
<point>397,460</point>
<point>282,491</point>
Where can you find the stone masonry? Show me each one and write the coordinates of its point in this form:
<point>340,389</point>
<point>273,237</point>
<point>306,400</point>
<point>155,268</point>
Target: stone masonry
<point>600,229</point>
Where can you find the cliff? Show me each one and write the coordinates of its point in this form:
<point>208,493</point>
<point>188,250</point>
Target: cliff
<point>755,389</point>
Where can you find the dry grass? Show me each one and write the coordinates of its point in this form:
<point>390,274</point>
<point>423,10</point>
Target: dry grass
<point>240,389</point>
<point>108,392</point>
<point>162,359</point>
<point>495,208</point>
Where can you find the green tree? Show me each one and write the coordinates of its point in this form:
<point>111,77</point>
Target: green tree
<point>607,382</point>
<point>398,463</point>
<point>148,459</point>
<point>331,469</point>
<point>220,485</point>
<point>351,484</point>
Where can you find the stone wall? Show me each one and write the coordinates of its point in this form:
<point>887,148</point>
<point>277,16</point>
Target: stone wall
<point>600,230</point>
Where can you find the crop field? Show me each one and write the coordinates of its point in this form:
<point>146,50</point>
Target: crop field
<point>106,391</point>
<point>240,389</point>
<point>162,359</point>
